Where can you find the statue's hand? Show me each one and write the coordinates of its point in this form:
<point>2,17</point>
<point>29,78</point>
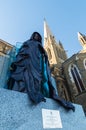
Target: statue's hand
<point>68,105</point>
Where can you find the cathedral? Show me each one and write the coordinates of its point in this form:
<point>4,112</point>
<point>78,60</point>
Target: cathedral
<point>69,73</point>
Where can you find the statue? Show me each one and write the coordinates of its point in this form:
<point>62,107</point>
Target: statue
<point>30,73</point>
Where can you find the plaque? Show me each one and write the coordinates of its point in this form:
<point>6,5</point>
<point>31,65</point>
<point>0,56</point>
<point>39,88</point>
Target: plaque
<point>51,119</point>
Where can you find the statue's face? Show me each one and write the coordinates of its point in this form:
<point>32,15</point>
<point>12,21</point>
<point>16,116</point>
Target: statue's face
<point>36,37</point>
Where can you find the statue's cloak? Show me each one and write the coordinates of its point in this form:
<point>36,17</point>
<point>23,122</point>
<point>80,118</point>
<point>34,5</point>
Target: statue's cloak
<point>26,74</point>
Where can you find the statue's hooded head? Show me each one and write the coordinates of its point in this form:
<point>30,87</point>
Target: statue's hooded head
<point>36,36</point>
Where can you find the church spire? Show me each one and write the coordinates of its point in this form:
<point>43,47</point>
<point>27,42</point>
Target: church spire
<point>82,39</point>
<point>47,31</point>
<point>56,52</point>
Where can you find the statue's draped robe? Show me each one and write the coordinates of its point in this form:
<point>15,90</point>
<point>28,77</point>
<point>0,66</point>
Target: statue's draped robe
<point>27,74</point>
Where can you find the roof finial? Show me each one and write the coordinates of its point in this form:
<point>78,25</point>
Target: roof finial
<point>82,39</point>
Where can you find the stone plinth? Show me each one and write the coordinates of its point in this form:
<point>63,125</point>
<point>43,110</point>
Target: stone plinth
<point>17,112</point>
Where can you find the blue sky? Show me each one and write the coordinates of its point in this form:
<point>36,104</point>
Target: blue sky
<point>20,18</point>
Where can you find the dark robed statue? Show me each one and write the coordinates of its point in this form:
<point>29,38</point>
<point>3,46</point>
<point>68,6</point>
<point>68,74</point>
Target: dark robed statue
<point>30,73</point>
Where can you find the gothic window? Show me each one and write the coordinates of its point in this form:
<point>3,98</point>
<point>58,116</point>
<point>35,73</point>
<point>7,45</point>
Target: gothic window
<point>49,54</point>
<point>77,78</point>
<point>84,63</point>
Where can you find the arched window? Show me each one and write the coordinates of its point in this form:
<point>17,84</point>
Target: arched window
<point>77,78</point>
<point>84,62</point>
<point>49,54</point>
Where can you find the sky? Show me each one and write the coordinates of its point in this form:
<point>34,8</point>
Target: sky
<point>20,18</point>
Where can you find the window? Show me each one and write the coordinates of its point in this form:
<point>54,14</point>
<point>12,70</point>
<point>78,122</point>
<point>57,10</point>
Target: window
<point>49,54</point>
<point>84,62</point>
<point>77,78</point>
